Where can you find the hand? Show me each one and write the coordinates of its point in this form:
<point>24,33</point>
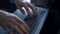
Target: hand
<point>8,20</point>
<point>26,5</point>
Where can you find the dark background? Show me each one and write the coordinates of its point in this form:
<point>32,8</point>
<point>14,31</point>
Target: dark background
<point>52,23</point>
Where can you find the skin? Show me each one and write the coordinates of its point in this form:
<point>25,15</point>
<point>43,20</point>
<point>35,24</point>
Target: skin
<point>8,20</point>
<point>26,5</point>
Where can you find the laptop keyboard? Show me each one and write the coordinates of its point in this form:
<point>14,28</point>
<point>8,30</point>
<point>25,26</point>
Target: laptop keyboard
<point>34,21</point>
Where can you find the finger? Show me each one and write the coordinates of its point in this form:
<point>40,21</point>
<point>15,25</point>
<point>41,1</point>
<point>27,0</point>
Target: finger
<point>31,4</point>
<point>22,26</point>
<point>22,22</point>
<point>7,29</point>
<point>27,9</point>
<point>19,7</point>
<point>17,29</point>
<point>26,26</point>
<point>23,29</point>
<point>33,7</point>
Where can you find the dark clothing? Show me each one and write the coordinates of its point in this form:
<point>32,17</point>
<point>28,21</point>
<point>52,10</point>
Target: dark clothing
<point>7,5</point>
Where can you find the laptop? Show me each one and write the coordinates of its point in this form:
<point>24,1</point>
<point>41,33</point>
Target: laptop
<point>35,23</point>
